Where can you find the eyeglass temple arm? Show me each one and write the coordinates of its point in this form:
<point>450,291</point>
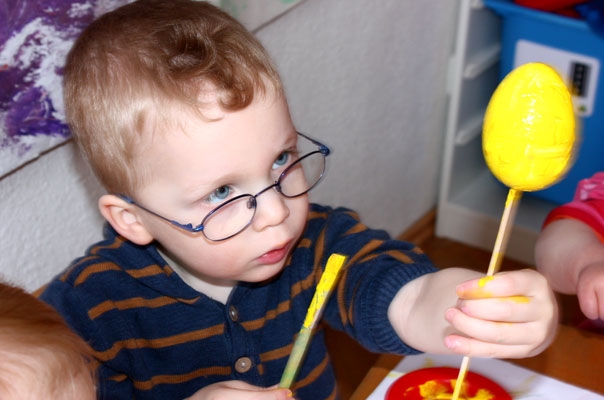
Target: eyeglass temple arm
<point>186,227</point>
<point>322,148</point>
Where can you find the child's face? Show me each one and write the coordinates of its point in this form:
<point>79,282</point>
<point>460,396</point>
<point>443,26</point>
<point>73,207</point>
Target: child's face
<point>190,166</point>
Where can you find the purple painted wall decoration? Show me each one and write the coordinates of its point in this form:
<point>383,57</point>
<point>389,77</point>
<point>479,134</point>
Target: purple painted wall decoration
<point>35,37</point>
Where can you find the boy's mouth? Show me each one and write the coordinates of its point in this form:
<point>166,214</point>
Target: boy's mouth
<point>275,255</point>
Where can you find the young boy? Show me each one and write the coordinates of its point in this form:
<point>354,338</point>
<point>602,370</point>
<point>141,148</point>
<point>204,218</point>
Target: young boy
<point>570,249</point>
<point>212,252</point>
<point>40,357</point>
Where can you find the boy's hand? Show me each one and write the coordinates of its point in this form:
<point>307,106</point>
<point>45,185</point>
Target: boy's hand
<point>509,315</point>
<point>241,391</point>
<point>590,290</point>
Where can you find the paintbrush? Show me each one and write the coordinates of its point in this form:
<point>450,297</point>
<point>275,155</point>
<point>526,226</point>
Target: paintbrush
<point>313,315</point>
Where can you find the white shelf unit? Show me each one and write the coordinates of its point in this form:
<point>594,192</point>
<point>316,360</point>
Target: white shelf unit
<point>471,200</point>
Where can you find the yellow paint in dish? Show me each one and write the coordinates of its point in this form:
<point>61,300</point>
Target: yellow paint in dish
<point>431,389</point>
<point>434,390</point>
<point>529,128</point>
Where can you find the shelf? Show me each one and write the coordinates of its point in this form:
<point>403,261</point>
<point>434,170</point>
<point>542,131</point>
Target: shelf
<point>471,128</point>
<point>482,61</point>
<point>473,215</point>
<point>471,200</point>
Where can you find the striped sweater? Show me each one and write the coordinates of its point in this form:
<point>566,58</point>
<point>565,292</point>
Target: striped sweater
<point>157,338</point>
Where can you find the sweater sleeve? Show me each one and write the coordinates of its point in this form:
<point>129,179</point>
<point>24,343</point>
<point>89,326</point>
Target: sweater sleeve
<point>376,269</point>
<point>587,205</point>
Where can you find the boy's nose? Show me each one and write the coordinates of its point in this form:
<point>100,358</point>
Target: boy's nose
<point>271,209</point>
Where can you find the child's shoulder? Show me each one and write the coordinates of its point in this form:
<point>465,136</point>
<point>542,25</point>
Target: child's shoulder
<point>113,254</point>
<point>339,222</point>
<point>321,217</point>
<point>318,211</point>
<point>112,270</point>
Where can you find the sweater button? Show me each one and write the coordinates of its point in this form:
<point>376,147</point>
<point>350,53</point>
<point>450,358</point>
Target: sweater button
<point>233,314</point>
<point>243,364</point>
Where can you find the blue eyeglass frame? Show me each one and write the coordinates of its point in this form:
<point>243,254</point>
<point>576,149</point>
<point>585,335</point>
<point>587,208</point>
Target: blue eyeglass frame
<point>323,149</point>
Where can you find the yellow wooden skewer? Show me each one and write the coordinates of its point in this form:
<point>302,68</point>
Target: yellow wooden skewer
<point>507,221</point>
<point>528,143</point>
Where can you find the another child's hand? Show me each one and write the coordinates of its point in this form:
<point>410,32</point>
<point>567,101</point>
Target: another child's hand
<point>509,315</point>
<point>590,290</point>
<point>571,256</point>
<point>240,390</point>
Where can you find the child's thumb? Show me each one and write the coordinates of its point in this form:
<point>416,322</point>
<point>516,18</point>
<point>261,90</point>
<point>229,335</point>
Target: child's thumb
<point>281,394</point>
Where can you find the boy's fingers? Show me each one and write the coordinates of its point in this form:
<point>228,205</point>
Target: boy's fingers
<point>498,309</point>
<point>245,391</point>
<point>505,284</point>
<point>273,394</point>
<point>282,394</point>
<point>502,333</point>
<point>507,309</point>
<point>475,348</point>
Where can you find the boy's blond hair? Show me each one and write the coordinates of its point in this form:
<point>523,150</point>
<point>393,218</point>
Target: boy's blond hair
<point>131,66</point>
<point>40,357</point>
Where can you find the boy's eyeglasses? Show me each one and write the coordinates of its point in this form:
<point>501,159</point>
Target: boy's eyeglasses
<point>236,214</point>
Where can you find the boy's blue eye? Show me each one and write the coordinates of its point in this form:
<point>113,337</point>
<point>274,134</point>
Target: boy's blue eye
<point>219,195</point>
<point>282,160</point>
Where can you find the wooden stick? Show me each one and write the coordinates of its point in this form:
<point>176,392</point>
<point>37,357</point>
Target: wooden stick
<point>463,369</point>
<point>505,227</point>
<point>503,235</point>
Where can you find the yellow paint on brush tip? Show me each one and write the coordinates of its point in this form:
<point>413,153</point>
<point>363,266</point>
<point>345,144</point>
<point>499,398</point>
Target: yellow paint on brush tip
<point>324,289</point>
<point>328,279</point>
<point>529,128</point>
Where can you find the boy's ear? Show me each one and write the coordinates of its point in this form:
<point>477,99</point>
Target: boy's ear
<point>122,217</point>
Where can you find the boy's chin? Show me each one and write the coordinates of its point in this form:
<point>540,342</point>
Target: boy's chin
<point>271,273</point>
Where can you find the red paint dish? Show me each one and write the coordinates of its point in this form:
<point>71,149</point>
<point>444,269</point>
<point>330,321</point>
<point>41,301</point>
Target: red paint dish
<point>439,380</point>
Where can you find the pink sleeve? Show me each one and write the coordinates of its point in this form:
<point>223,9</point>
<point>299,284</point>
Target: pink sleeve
<point>587,205</point>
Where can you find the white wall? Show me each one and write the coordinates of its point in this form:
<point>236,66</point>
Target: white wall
<point>369,78</point>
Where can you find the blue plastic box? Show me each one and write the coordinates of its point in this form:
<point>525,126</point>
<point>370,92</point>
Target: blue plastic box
<point>576,52</point>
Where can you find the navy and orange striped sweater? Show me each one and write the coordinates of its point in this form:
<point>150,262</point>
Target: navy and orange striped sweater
<point>157,338</point>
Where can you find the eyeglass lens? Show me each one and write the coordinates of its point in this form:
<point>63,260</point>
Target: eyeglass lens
<point>234,216</point>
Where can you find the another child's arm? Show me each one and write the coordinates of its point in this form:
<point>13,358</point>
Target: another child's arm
<point>456,310</point>
<point>240,390</point>
<point>571,257</point>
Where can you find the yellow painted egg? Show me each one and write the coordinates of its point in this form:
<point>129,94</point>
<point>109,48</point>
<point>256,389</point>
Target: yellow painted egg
<point>528,132</point>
